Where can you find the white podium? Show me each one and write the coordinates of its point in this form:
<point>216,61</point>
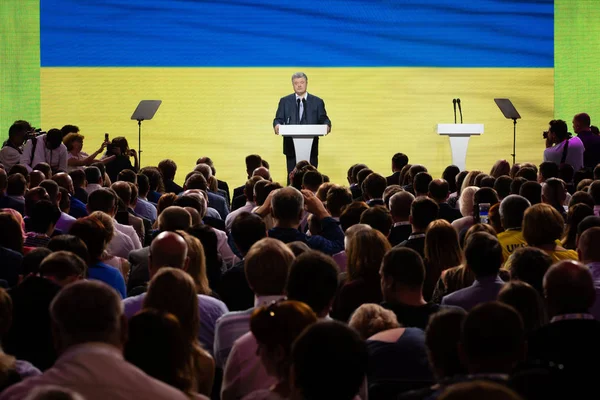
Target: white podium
<point>303,136</point>
<point>459,135</point>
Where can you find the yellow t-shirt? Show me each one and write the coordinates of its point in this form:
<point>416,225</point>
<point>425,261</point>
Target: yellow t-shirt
<point>559,255</point>
<point>510,241</point>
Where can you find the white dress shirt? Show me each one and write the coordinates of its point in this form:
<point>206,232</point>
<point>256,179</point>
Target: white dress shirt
<point>120,245</point>
<point>129,231</point>
<point>9,157</point>
<point>97,371</point>
<point>56,158</point>
<point>248,207</point>
<point>92,187</point>
<point>224,249</point>
<point>65,222</point>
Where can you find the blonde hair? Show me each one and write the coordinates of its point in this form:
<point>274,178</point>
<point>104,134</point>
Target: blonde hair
<point>197,264</point>
<point>466,200</point>
<point>542,225</point>
<point>370,319</point>
<point>72,138</point>
<point>469,180</point>
<point>107,221</point>
<point>501,167</point>
<point>366,249</point>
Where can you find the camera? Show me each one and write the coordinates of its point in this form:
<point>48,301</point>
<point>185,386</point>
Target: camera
<point>33,133</point>
<point>545,134</point>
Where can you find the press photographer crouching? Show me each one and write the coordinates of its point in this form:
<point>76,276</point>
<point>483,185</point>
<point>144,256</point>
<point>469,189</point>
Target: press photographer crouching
<point>10,155</point>
<point>47,148</point>
<point>561,148</point>
<point>120,149</point>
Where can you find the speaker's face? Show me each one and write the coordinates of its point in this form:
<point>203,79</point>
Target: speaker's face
<point>299,86</point>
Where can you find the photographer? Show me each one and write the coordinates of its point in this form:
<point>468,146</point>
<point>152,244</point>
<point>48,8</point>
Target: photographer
<point>48,149</point>
<point>561,148</point>
<point>12,149</point>
<point>120,149</point>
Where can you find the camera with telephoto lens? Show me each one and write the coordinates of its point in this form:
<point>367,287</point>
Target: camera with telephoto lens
<point>33,133</point>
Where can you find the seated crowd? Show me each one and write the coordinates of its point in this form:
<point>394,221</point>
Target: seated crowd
<point>117,283</point>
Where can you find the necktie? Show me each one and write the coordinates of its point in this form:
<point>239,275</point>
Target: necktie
<point>300,109</point>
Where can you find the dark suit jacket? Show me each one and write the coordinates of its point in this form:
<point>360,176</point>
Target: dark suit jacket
<point>375,202</point>
<point>238,201</point>
<point>10,202</point>
<point>11,266</point>
<point>314,113</point>
<point>81,195</point>
<point>393,179</point>
<point>357,193</point>
<point>399,234</point>
<point>234,289</point>
<point>224,187</point>
<point>218,203</point>
<point>172,187</point>
<point>448,213</point>
<point>138,274</point>
<point>417,245</point>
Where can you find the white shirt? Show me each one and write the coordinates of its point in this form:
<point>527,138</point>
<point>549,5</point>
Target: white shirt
<point>129,231</point>
<point>9,157</point>
<point>97,371</point>
<point>248,207</point>
<point>65,222</point>
<point>57,158</point>
<point>92,187</point>
<point>574,153</point>
<point>224,249</point>
<point>120,245</point>
<point>232,326</point>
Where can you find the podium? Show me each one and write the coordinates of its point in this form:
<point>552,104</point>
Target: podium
<point>303,136</point>
<point>459,135</point>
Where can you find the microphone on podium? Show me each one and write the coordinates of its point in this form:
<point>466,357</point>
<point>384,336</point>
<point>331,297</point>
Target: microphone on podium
<point>454,103</point>
<point>459,110</point>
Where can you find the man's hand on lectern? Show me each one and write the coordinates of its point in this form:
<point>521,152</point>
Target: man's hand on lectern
<point>277,129</point>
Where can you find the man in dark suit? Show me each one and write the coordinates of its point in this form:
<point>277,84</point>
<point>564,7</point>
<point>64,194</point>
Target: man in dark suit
<point>439,192</point>
<point>374,186</point>
<point>399,160</point>
<point>423,211</point>
<point>400,204</point>
<point>300,108</point>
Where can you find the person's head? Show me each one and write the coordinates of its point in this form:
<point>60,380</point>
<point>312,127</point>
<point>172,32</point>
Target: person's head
<point>73,142</point>
<point>313,279</point>
<point>532,191</point>
<point>287,205</point>
<point>439,190</point>
<point>267,266</point>
<point>389,192</point>
<point>168,249</point>
<point>298,248</point>
<point>484,195</point>
<point>166,362</point>
<point>450,175</point>
<point>52,189</point>
<point>63,268</point>
<point>143,185</point>
<point>515,185</point>
<point>469,180</point>
<point>53,139</point>
<point>566,172</point>
<point>16,185</point>
<point>370,319</point>
<point>529,173</point>
<point>400,206</point>
<point>86,312</point>
<point>584,184</point>
<point>423,211</point>
<point>404,178</point>
<point>351,214</point>
<point>33,259</point>
<point>191,201</point>
<point>402,271</point>
<point>594,191</point>
<point>167,169</point>
<point>174,218</point>
<point>399,160</point>
<point>93,175</point>
<point>362,176</point>
<point>588,252</point>
<point>208,161</point>
<point>576,214</point>
<point>379,218</point>
<point>554,192</point>
<point>502,186</point>
<point>413,171</point>
<point>324,347</point>
<point>547,170</point>
<point>558,131</point>
<point>104,200</point>
<point>492,339</point>
<point>247,229</point>
<point>479,389</point>
<point>466,199</point>
<point>250,185</point>
<point>154,179</point>
<point>311,180</point>
<point>337,198</point>
<point>123,191</point>
<point>526,301</point>
<point>44,217</point>
<point>483,254</point>
<point>45,169</point>
<point>500,168</point>
<point>127,175</point>
<point>581,198</point>
<point>323,190</point>
<point>93,233</point>
<point>569,288</point>
<point>581,122</point>
<point>253,161</point>
<point>529,264</point>
<point>421,183</point>
<point>299,82</point>
<point>18,132</point>
<point>77,178</point>
<point>72,244</point>
<point>196,266</point>
<point>275,328</point>
<point>442,337</point>
<point>356,168</point>
<point>374,186</point>
<point>542,225</point>
<point>442,247</point>
<point>11,234</point>
<point>172,290</point>
<point>512,210</point>
<point>32,197</point>
<point>365,251</point>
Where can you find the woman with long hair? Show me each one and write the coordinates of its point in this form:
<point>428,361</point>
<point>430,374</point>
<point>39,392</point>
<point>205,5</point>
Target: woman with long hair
<point>119,148</point>
<point>365,252</point>
<point>442,251</point>
<point>543,226</point>
<point>174,291</point>
<point>197,264</point>
<point>575,215</point>
<point>118,262</point>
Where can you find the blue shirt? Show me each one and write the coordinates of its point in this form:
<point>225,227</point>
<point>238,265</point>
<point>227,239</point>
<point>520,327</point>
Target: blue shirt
<point>109,275</point>
<point>78,209</point>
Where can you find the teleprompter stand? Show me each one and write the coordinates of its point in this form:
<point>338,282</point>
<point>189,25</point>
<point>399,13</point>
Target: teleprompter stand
<point>144,111</point>
<point>510,112</point>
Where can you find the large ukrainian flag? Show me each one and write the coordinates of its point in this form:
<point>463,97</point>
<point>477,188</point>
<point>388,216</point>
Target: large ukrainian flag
<point>387,70</point>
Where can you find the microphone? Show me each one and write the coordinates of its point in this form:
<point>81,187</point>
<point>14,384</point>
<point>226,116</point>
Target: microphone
<point>459,110</point>
<point>288,121</point>
<point>454,102</point>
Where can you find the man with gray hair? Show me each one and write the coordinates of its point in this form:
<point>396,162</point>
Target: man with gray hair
<point>90,331</point>
<point>512,210</point>
<point>299,108</point>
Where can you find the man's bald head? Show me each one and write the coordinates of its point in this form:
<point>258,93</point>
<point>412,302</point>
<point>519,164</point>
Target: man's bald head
<point>168,249</point>
<point>439,190</point>
<point>569,288</point>
<point>63,180</point>
<point>588,248</point>
<point>262,172</point>
<point>204,169</point>
<point>174,218</point>
<point>400,204</point>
